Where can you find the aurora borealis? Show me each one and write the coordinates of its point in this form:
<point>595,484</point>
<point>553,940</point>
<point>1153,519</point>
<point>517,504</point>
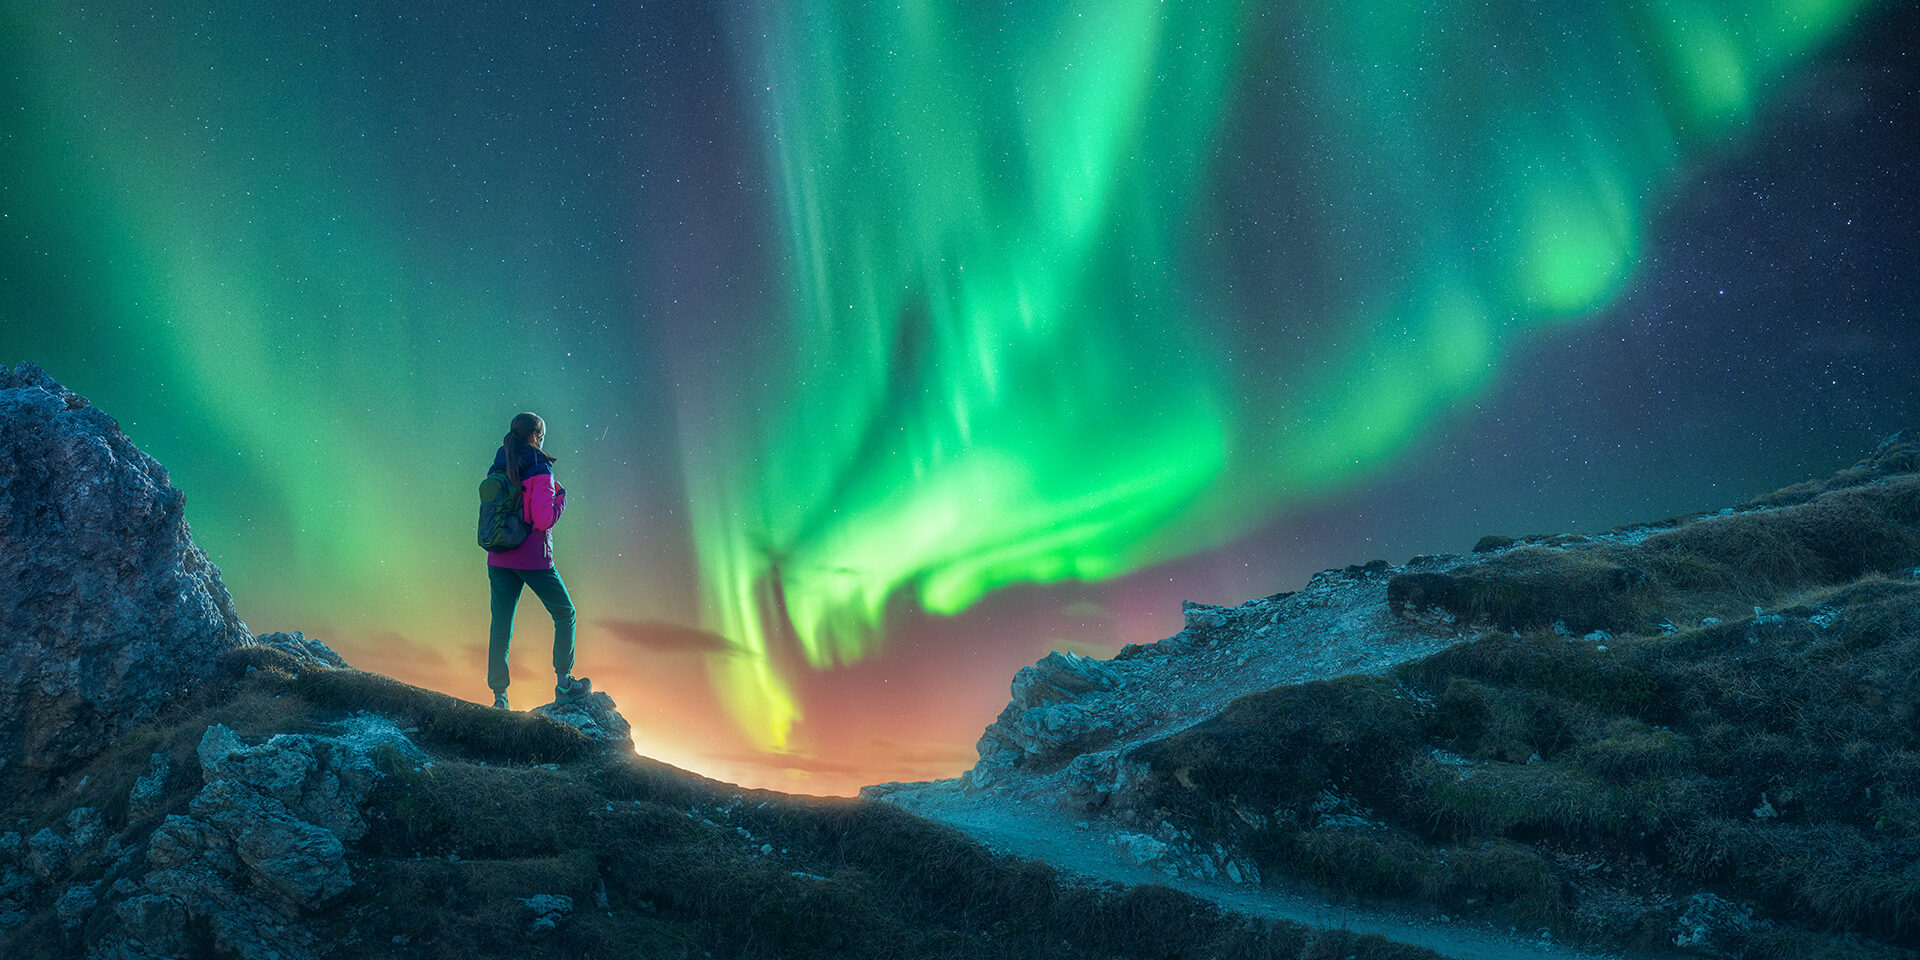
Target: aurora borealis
<point>886,346</point>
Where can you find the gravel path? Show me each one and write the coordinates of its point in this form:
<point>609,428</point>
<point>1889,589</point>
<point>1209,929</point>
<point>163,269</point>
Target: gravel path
<point>1097,850</point>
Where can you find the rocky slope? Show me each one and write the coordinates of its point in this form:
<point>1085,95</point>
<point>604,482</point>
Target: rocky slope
<point>1693,736</point>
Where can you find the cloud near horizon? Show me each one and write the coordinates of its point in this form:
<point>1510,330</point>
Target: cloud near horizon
<point>661,637</point>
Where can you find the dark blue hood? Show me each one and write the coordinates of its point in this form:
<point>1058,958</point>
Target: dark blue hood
<point>532,462</point>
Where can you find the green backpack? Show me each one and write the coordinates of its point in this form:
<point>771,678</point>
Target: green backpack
<point>501,526</point>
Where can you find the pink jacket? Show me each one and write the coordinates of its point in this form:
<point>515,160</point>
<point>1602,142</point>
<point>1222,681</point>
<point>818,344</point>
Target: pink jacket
<point>541,503</point>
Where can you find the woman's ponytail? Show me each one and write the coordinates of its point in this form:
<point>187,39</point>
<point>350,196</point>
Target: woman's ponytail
<point>513,458</point>
<point>523,427</point>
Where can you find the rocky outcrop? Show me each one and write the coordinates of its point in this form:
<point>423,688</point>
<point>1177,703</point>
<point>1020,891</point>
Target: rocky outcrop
<point>107,609</point>
<point>545,913</point>
<point>594,715</point>
<point>1069,715</point>
<point>305,651</point>
<point>264,843</point>
<point>1050,718</point>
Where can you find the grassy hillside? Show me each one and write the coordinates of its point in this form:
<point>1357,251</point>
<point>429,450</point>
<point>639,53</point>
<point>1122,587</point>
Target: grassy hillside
<point>1716,716</point>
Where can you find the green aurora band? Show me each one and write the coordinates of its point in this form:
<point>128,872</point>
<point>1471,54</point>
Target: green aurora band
<point>1001,360</point>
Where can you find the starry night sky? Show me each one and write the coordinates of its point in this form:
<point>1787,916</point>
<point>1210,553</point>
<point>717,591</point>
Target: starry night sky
<point>886,347</point>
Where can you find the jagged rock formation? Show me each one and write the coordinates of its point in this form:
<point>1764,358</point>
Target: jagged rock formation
<point>594,715</point>
<point>303,650</point>
<point>1070,716</point>
<point>107,609</point>
<point>1048,718</point>
<point>262,844</point>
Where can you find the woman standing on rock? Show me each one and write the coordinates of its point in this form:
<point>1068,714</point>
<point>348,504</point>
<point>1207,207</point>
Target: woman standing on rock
<point>542,500</point>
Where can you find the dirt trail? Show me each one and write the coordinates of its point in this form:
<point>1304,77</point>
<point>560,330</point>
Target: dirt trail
<point>1096,850</point>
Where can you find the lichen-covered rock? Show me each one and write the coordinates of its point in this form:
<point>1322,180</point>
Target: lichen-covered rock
<point>303,649</point>
<point>46,853</point>
<point>241,924</point>
<point>178,841</point>
<point>304,864</point>
<point>143,797</point>
<point>596,716</point>
<point>1050,717</point>
<point>321,779</point>
<point>75,904</point>
<point>155,924</point>
<point>86,828</point>
<point>1715,926</point>
<point>545,912</point>
<point>264,843</point>
<point>107,609</point>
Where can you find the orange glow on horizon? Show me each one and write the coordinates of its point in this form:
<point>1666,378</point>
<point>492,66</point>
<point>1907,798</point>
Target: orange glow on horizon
<point>676,718</point>
<point>912,713</point>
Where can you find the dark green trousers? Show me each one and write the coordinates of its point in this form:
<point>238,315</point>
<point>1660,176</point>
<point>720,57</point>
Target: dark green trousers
<point>548,587</point>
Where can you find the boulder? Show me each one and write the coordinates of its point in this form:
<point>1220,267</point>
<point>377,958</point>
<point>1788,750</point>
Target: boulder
<point>1716,926</point>
<point>86,828</point>
<point>107,609</point>
<point>594,715</point>
<point>15,887</point>
<point>143,798</point>
<point>304,865</point>
<point>75,904</point>
<point>47,853</point>
<point>156,923</point>
<point>323,780</point>
<point>544,913</point>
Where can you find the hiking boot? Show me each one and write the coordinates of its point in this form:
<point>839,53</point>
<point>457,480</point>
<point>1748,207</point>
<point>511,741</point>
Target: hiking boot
<point>571,688</point>
<point>500,700</point>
